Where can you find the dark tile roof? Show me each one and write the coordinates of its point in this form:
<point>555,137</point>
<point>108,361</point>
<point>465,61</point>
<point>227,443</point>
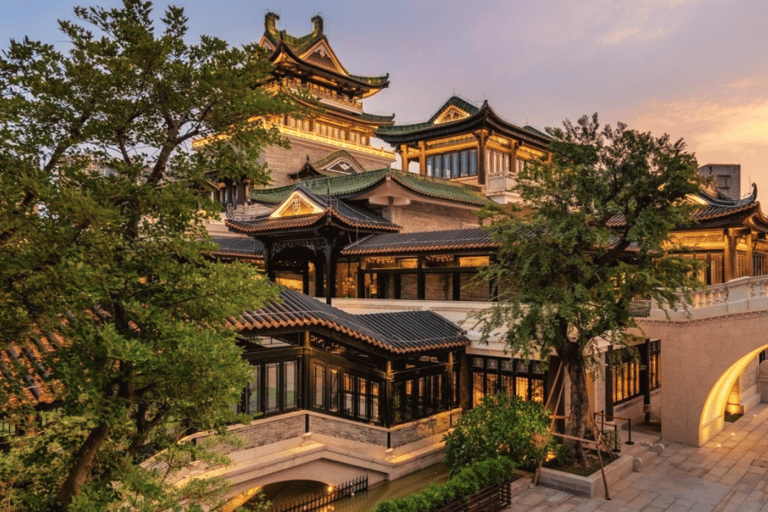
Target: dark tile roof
<point>238,247</point>
<point>394,333</point>
<point>333,208</point>
<point>349,186</point>
<point>452,240</point>
<point>715,211</point>
<point>23,364</point>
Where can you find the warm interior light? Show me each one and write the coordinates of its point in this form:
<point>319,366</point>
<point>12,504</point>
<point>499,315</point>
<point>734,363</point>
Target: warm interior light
<point>711,421</point>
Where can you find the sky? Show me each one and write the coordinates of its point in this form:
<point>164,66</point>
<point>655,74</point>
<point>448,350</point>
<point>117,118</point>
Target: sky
<point>695,69</point>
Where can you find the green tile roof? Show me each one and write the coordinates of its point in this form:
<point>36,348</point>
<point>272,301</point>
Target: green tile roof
<point>347,186</point>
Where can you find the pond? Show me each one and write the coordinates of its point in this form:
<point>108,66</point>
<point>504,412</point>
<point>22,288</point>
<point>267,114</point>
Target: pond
<point>292,491</point>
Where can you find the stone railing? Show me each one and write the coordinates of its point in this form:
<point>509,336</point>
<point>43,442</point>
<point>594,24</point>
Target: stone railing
<point>736,296</point>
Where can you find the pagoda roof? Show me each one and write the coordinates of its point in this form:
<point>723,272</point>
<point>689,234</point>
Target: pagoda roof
<point>401,333</point>
<point>312,211</point>
<point>427,241</point>
<point>340,162</point>
<point>348,187</point>
<point>458,116</point>
<point>313,54</point>
<point>719,211</point>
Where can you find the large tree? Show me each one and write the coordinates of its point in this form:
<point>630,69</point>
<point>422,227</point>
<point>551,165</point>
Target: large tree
<point>590,235</point>
<point>102,205</point>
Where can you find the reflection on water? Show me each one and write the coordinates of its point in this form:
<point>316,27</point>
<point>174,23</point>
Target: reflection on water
<point>284,493</point>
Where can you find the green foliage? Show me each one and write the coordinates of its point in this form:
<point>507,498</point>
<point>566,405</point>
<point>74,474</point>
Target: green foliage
<point>501,426</point>
<point>116,262</point>
<point>566,275</point>
<point>461,486</point>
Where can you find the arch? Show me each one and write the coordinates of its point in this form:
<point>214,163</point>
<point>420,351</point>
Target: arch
<point>700,361</point>
<point>711,421</point>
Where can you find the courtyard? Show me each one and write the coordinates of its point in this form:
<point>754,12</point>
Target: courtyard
<point>728,474</point>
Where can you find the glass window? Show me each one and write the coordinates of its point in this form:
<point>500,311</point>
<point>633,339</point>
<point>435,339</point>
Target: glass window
<point>473,163</point>
<point>333,406</point>
<point>271,391</point>
<point>438,166</point>
<point>291,381</point>
<point>465,163</point>
<point>430,166</point>
<point>349,395</point>
<point>362,410</point>
<point>375,401</point>
<point>254,388</point>
<point>455,170</point>
<point>319,396</point>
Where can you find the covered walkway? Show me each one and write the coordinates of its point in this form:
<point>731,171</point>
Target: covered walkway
<point>728,473</point>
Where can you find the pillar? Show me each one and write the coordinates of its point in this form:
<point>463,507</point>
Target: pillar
<point>422,158</point>
<point>306,373</point>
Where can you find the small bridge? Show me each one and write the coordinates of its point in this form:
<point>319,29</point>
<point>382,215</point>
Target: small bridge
<point>703,352</point>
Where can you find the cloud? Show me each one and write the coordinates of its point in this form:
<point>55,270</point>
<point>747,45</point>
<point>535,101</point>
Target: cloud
<point>718,131</point>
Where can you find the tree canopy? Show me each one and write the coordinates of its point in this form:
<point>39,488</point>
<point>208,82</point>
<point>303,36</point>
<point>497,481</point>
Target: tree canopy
<point>590,235</point>
<point>102,205</point>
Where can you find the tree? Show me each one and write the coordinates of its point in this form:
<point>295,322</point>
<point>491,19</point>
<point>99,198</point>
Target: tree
<point>590,235</point>
<point>501,426</point>
<point>114,259</point>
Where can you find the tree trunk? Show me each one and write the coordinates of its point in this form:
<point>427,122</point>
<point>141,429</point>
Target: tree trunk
<point>84,460</point>
<point>577,419</point>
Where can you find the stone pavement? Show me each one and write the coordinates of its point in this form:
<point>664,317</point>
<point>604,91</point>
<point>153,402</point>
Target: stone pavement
<point>728,474</point>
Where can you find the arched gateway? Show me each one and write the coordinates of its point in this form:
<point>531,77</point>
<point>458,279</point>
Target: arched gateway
<point>704,352</point>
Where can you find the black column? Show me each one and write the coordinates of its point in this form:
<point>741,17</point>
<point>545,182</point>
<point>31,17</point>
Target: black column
<point>645,378</point>
<point>609,385</point>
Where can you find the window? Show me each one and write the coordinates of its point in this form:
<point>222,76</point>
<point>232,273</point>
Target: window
<point>319,396</point>
<point>654,365</point>
<point>524,379</point>
<point>626,376</point>
<point>271,387</point>
<point>274,387</point>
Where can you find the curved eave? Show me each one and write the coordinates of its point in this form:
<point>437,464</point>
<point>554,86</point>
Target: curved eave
<point>331,217</point>
<point>363,118</point>
<point>367,88</point>
<point>390,250</point>
<point>485,118</point>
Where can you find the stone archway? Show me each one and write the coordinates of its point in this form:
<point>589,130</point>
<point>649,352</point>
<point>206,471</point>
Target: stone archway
<point>701,360</point>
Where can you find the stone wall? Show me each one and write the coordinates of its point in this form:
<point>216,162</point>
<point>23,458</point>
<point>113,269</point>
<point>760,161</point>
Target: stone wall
<point>431,217</point>
<point>345,429</point>
<point>265,431</point>
<point>421,429</point>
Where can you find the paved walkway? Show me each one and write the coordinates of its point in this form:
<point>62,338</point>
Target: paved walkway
<point>728,474</point>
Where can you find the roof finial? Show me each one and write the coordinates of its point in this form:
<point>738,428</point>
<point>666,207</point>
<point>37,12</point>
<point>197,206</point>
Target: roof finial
<point>318,25</point>
<point>270,22</point>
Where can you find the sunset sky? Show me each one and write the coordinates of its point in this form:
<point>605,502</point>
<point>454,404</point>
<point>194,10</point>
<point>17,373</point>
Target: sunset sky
<point>696,69</point>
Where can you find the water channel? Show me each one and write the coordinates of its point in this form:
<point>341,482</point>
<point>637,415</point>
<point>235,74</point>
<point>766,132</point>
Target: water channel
<point>289,492</point>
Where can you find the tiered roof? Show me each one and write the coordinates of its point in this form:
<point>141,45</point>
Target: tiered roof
<point>311,54</point>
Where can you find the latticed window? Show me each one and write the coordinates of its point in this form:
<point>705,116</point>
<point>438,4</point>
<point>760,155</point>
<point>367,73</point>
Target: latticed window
<point>273,388</point>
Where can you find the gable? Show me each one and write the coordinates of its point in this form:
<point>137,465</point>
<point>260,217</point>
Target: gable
<point>343,166</point>
<point>451,113</point>
<point>296,205</point>
<point>322,55</point>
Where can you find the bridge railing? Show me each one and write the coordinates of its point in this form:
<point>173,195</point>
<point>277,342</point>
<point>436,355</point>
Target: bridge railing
<point>740,295</point>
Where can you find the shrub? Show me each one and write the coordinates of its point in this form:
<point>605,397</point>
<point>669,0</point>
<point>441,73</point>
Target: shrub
<point>461,486</point>
<point>501,426</point>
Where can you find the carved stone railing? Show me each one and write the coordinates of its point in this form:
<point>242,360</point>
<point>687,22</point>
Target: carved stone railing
<point>739,295</point>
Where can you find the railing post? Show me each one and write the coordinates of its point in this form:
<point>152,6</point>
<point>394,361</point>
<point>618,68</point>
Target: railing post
<point>629,442</point>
